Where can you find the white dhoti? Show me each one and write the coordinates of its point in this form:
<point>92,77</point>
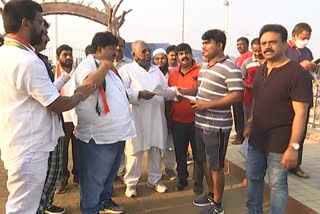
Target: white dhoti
<point>134,167</point>
<point>26,179</point>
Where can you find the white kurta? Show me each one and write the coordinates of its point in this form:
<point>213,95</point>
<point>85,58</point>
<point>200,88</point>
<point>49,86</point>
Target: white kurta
<point>148,115</point>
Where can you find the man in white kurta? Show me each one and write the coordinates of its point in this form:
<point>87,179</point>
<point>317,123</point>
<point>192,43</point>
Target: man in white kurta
<point>29,123</point>
<point>104,124</point>
<point>141,79</point>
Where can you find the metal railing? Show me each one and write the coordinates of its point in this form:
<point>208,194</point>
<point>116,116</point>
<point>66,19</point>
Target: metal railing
<point>314,118</point>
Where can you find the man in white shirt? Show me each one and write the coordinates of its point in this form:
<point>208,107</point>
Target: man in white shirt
<point>104,124</point>
<point>140,78</point>
<point>120,60</point>
<point>29,123</point>
<point>160,59</point>
<point>64,67</point>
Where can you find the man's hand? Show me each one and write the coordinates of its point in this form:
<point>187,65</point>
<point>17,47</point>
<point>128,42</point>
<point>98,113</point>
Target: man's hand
<point>246,131</point>
<point>182,91</point>
<point>146,95</point>
<point>199,104</point>
<point>107,64</point>
<point>74,130</point>
<point>86,90</point>
<point>307,65</point>
<point>289,158</point>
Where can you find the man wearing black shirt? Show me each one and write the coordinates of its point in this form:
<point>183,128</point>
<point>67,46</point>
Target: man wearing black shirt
<point>47,195</point>
<point>277,122</point>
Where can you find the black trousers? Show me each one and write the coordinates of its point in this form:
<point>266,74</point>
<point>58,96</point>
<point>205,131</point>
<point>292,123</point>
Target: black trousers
<point>302,140</point>
<point>64,172</point>
<point>238,117</point>
<point>182,134</point>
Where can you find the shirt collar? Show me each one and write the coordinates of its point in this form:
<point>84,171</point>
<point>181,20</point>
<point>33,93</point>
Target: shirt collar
<point>291,44</point>
<point>254,59</point>
<point>194,64</point>
<point>224,58</point>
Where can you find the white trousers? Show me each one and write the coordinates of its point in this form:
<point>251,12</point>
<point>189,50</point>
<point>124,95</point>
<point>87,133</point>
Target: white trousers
<point>169,156</point>
<point>25,183</point>
<point>133,167</point>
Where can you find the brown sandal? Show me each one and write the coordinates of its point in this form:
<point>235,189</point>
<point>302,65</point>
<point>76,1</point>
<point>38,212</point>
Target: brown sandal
<point>298,172</point>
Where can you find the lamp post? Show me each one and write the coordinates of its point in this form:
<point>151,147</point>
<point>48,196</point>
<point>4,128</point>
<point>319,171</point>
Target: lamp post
<point>226,16</point>
<point>182,33</point>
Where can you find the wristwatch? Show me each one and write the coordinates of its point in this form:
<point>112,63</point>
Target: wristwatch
<point>295,146</point>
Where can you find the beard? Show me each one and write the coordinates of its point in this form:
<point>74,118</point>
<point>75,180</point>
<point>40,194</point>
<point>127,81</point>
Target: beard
<point>66,64</point>
<point>164,69</point>
<point>35,38</point>
<point>144,63</point>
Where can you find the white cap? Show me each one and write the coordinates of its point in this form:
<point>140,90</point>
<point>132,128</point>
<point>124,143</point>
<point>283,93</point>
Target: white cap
<point>159,50</point>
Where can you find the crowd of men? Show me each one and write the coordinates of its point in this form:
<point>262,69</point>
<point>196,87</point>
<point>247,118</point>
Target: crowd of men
<point>114,109</point>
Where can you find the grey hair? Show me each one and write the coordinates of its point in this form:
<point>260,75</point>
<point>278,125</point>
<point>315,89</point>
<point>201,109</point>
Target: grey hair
<point>137,43</point>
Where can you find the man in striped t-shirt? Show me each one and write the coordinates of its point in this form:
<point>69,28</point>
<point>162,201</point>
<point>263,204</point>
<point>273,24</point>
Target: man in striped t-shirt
<point>219,86</point>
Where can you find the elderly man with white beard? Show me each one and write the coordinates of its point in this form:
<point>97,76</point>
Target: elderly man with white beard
<point>143,81</point>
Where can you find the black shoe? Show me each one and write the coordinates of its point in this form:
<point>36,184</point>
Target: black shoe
<point>197,188</point>
<point>213,209</point>
<point>181,185</point>
<point>112,207</point>
<point>206,200</point>
<point>55,210</point>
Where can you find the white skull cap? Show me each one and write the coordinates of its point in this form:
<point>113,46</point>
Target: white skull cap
<point>159,50</point>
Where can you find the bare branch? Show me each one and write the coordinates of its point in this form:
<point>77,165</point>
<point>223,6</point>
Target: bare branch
<point>117,7</point>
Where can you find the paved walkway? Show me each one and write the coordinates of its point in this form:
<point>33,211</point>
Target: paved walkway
<point>307,191</point>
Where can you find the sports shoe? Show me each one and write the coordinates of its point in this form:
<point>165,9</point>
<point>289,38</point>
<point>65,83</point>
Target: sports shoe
<point>131,191</point>
<point>213,209</point>
<point>112,207</point>
<point>206,200</point>
<point>55,210</point>
<point>181,185</point>
<point>159,187</point>
<point>170,174</point>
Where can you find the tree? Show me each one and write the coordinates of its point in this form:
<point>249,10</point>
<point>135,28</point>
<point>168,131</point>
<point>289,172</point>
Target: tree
<point>114,22</point>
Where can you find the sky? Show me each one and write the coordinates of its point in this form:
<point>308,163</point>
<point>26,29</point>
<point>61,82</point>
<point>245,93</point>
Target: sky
<point>161,21</point>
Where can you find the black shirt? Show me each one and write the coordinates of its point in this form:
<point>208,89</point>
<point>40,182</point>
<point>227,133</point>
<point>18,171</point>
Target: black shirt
<point>273,112</point>
<point>49,67</point>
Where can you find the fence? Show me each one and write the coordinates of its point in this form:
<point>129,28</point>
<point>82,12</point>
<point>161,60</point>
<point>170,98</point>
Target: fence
<point>314,118</point>
<point>78,55</point>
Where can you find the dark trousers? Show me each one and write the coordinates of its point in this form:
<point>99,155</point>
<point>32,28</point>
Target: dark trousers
<point>64,172</point>
<point>302,140</point>
<point>50,183</point>
<point>98,167</point>
<point>238,117</point>
<point>182,134</point>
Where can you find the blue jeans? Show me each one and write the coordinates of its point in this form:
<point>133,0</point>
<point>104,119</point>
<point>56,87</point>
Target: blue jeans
<point>257,164</point>
<point>98,166</point>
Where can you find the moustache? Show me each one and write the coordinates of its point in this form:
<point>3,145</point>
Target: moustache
<point>268,50</point>
<point>187,58</point>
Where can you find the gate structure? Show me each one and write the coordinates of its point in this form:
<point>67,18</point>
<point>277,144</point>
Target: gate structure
<point>106,16</point>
